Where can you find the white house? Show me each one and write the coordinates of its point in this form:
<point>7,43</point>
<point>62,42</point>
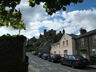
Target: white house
<point>65,46</point>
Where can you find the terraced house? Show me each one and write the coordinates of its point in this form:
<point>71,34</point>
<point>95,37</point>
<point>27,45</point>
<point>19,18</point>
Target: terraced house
<point>83,44</point>
<point>86,44</point>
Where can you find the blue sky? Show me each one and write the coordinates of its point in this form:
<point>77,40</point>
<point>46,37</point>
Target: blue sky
<point>87,4</point>
<point>82,15</point>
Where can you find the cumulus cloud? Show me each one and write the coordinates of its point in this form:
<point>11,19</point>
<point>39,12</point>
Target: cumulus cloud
<point>72,21</point>
<point>80,19</point>
<point>36,19</point>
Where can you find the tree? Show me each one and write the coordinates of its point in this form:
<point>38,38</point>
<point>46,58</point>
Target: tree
<point>52,6</point>
<point>9,16</point>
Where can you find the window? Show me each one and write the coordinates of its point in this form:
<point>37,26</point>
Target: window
<point>94,39</point>
<point>94,51</point>
<point>82,42</point>
<point>66,42</point>
<point>63,43</point>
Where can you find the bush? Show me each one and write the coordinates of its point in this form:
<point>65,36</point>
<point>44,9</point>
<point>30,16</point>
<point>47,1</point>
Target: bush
<point>12,53</point>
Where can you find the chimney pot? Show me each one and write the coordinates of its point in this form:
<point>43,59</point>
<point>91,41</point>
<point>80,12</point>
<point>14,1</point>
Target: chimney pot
<point>82,31</point>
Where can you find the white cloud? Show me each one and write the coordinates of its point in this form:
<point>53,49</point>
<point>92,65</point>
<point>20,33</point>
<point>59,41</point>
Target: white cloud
<point>82,18</point>
<point>5,30</point>
<point>36,17</point>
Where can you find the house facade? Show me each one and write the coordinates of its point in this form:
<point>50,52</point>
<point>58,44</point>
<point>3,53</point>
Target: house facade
<point>65,46</point>
<point>83,44</point>
<point>86,44</point>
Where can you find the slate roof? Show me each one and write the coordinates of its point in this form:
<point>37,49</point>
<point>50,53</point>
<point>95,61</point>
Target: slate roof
<point>87,34</point>
<point>80,36</point>
<point>84,35</point>
<point>73,36</point>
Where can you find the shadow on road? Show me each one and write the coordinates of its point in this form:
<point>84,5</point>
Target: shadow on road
<point>87,68</point>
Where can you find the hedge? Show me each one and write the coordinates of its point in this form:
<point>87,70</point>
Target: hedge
<point>12,53</point>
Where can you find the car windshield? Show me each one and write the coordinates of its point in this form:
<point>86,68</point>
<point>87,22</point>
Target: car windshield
<point>46,54</point>
<point>77,56</point>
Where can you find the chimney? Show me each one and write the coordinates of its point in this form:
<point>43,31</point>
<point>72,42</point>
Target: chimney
<point>44,31</point>
<point>82,31</point>
<point>60,32</point>
<point>63,31</point>
<point>51,29</point>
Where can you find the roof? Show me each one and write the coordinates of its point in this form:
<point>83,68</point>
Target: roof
<point>79,36</point>
<point>73,36</point>
<point>55,43</point>
<point>87,34</point>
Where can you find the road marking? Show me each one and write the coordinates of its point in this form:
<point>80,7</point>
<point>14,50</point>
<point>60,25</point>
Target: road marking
<point>33,68</point>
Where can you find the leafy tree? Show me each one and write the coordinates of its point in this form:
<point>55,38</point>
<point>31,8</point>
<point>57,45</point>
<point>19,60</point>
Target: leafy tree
<point>52,6</point>
<point>9,16</point>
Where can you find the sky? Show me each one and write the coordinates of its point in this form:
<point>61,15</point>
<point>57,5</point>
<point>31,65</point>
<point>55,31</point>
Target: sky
<point>81,15</point>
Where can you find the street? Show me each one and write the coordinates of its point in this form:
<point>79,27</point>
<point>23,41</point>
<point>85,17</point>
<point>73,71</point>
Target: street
<point>37,64</point>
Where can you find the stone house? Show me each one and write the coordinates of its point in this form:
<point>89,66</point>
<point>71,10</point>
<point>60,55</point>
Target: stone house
<point>83,44</point>
<point>65,46</point>
<point>86,44</point>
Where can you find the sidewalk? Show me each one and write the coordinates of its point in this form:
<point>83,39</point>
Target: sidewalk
<point>92,66</point>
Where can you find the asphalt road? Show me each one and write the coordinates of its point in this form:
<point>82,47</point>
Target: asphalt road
<point>37,64</point>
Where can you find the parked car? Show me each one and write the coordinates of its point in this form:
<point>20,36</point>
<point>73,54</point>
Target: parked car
<point>74,61</point>
<point>40,54</point>
<point>45,56</point>
<point>54,58</point>
<point>34,52</point>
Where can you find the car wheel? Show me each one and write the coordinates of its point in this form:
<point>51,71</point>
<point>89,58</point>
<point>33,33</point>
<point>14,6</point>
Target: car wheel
<point>52,60</point>
<point>72,64</point>
<point>61,63</point>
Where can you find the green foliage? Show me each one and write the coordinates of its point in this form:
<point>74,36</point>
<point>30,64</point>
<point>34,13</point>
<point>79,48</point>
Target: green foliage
<point>9,16</point>
<point>33,46</point>
<point>52,6</point>
<point>4,37</point>
<point>37,44</point>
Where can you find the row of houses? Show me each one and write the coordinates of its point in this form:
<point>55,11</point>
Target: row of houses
<point>83,44</point>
